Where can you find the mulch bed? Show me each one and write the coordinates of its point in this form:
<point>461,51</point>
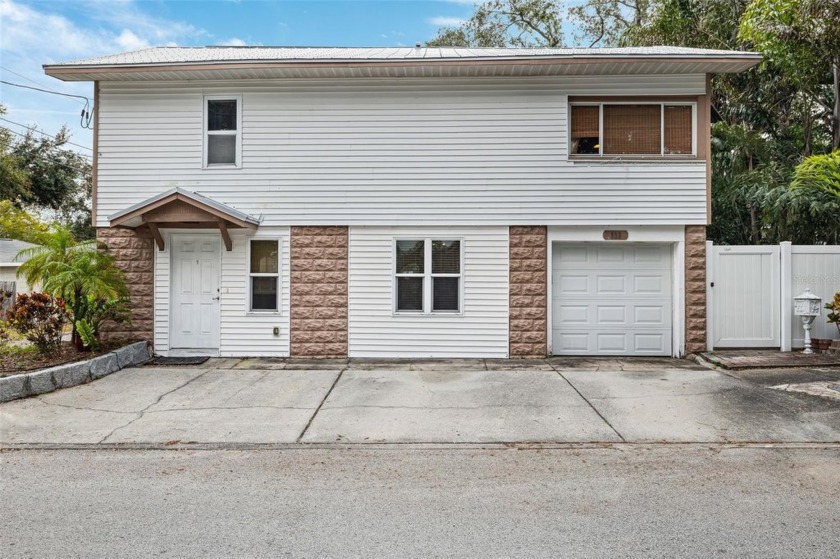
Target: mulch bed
<point>13,362</point>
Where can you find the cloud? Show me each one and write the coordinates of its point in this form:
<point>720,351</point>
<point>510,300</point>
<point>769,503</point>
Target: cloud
<point>129,41</point>
<point>233,42</point>
<point>45,33</point>
<point>443,21</point>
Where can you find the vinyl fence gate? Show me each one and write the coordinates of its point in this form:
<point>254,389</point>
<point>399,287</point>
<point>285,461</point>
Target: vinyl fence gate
<point>750,291</point>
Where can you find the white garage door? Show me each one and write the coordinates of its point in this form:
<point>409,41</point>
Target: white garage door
<point>611,299</point>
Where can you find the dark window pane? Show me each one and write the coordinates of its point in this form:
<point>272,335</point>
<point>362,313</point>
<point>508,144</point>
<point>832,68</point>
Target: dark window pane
<point>221,115</point>
<point>632,129</point>
<point>445,294</point>
<point>446,257</point>
<point>409,294</point>
<point>264,294</point>
<point>410,257</point>
<point>585,130</point>
<point>221,149</point>
<point>264,257</point>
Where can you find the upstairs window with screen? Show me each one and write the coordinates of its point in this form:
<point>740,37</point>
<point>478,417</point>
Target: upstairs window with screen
<point>645,129</point>
<point>264,275</point>
<point>222,138</point>
<point>427,276</point>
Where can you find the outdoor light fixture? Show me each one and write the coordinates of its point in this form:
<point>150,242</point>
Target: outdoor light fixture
<point>807,305</point>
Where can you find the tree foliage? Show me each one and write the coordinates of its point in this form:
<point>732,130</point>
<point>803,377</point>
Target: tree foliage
<point>41,174</point>
<point>819,172</point>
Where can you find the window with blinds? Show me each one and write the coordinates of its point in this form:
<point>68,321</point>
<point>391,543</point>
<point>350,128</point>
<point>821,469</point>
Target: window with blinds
<point>647,129</point>
<point>427,276</point>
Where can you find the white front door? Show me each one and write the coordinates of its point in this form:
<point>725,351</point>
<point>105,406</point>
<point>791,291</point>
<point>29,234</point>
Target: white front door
<point>195,292</point>
<point>611,299</point>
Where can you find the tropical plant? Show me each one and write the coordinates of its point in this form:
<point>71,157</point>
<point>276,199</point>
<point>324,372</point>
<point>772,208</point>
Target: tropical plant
<point>833,316</point>
<point>87,334</point>
<point>97,312</point>
<point>820,172</point>
<point>40,318</point>
<point>80,273</point>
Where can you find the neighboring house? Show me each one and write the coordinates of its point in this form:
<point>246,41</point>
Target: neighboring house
<point>408,202</point>
<point>9,263</point>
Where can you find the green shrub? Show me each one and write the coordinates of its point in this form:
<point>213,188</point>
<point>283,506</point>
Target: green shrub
<point>40,318</point>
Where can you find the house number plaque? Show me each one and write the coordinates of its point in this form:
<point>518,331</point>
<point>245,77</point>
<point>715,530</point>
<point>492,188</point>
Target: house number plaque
<point>615,235</point>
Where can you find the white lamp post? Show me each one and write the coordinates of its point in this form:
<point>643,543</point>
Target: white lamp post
<point>807,305</point>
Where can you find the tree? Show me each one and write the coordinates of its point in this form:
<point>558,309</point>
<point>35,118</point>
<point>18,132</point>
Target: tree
<point>507,23</point>
<point>16,223</point>
<point>802,37</point>
<point>819,172</point>
<point>41,174</point>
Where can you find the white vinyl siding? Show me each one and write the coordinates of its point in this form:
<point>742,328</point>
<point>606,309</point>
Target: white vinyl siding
<point>373,152</point>
<point>242,333</point>
<point>481,330</point>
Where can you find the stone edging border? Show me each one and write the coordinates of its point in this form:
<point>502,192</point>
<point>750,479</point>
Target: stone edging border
<point>64,376</point>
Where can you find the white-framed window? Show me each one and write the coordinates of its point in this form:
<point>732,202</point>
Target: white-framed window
<point>428,276</point>
<point>643,128</point>
<point>264,275</point>
<point>222,130</point>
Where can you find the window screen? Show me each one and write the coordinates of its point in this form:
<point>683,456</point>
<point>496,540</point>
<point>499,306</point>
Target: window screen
<point>263,271</point>
<point>632,129</point>
<point>222,133</point>
<point>585,129</point>
<point>678,133</point>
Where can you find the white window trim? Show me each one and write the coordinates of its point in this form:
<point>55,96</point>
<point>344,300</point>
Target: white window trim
<point>661,156</point>
<point>427,276</point>
<point>248,275</point>
<point>205,132</point>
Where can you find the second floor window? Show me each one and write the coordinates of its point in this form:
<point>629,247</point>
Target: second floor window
<point>647,129</point>
<point>222,131</point>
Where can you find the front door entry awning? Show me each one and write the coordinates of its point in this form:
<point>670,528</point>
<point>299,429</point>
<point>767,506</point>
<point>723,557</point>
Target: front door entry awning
<point>182,209</point>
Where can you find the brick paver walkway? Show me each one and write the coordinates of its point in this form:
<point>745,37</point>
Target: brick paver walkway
<point>769,359</point>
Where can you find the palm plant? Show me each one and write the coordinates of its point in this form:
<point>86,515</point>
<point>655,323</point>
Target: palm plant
<point>77,272</point>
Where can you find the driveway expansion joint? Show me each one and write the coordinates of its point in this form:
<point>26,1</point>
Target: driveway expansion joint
<point>321,404</point>
<point>585,399</point>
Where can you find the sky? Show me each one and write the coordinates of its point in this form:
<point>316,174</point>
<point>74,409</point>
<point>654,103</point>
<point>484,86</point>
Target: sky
<point>37,32</point>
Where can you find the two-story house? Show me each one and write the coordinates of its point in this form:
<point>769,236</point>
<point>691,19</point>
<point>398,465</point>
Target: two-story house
<point>407,202</point>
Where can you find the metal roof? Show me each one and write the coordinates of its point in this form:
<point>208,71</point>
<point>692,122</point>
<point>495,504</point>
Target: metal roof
<point>200,198</point>
<point>261,62</point>
<point>180,55</point>
<point>9,249</point>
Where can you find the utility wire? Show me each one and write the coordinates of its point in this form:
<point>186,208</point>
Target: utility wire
<point>32,81</point>
<point>46,90</point>
<point>44,134</point>
<point>24,135</point>
<point>87,112</point>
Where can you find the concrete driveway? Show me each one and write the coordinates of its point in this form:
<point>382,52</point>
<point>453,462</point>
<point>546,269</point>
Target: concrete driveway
<point>262,401</point>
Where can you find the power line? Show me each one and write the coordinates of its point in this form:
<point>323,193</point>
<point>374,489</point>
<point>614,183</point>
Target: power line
<point>87,113</point>
<point>31,80</point>
<point>46,90</point>
<point>45,134</point>
<point>24,136</point>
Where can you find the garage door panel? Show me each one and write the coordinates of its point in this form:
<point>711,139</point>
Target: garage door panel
<point>611,299</point>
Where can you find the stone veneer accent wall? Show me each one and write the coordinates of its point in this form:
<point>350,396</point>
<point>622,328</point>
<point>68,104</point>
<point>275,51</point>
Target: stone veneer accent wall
<point>528,292</point>
<point>134,251</point>
<point>319,292</point>
<point>695,288</point>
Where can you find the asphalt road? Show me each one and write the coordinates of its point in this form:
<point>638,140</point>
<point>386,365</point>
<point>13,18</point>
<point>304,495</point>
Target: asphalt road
<point>408,501</point>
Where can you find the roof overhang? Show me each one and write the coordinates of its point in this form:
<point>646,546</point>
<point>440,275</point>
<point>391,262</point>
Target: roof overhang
<point>407,68</point>
<point>182,209</point>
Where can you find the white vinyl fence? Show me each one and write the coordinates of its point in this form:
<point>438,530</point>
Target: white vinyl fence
<point>750,291</point>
